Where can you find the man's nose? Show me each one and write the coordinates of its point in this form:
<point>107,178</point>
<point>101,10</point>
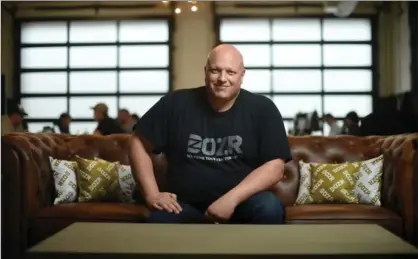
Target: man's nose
<point>222,77</point>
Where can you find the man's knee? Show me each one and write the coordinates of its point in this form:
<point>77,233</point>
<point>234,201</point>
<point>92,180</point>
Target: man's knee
<point>266,208</point>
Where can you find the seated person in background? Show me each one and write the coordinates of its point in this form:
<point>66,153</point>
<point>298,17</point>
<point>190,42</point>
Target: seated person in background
<point>63,123</point>
<point>106,125</point>
<point>226,148</point>
<point>13,120</point>
<point>333,125</point>
<point>351,124</point>
<point>126,120</point>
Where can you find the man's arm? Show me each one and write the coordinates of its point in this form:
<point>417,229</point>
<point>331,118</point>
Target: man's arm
<point>260,179</point>
<point>273,153</point>
<point>141,164</point>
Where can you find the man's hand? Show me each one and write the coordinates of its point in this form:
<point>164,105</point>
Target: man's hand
<point>221,209</point>
<point>164,201</point>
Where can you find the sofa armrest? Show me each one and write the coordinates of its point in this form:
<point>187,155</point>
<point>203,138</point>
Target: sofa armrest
<point>398,185</point>
<point>25,189</point>
<point>12,202</point>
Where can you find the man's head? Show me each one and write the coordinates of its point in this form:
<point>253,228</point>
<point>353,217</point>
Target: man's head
<point>16,114</point>
<point>100,111</point>
<point>124,116</point>
<point>351,118</point>
<point>224,72</point>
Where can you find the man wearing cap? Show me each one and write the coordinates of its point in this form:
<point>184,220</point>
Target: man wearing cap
<point>106,125</point>
<point>12,122</point>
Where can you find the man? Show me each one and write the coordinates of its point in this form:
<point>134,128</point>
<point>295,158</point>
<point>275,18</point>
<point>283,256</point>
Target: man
<point>335,129</point>
<point>351,124</point>
<point>126,120</point>
<point>13,121</point>
<point>106,125</point>
<point>225,148</point>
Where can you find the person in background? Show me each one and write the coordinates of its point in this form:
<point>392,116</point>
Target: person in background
<point>63,123</point>
<point>335,129</point>
<point>351,124</point>
<point>135,117</point>
<point>126,120</point>
<point>13,120</point>
<point>106,125</point>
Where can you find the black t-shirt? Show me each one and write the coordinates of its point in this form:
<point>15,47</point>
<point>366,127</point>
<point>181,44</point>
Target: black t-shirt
<point>109,126</point>
<point>209,152</point>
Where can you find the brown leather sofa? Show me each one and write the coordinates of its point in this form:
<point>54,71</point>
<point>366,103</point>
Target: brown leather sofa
<point>28,215</point>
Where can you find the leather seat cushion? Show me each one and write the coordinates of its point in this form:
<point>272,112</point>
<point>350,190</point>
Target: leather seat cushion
<point>96,211</point>
<point>344,214</point>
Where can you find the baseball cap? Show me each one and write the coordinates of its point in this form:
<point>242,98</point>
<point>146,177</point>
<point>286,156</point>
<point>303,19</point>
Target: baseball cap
<point>16,108</point>
<point>101,107</point>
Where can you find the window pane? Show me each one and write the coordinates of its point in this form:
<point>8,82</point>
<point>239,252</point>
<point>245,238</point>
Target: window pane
<point>296,30</point>
<point>92,31</point>
<point>297,80</point>
<point>36,127</point>
<point>290,105</point>
<point>138,104</point>
<point>288,126</point>
<point>347,55</point>
<point>143,31</point>
<point>144,56</point>
<point>339,106</point>
<point>143,81</point>
<point>306,55</point>
<point>79,128</point>
<point>44,107</point>
<point>89,57</point>
<point>257,80</point>
<point>43,82</point>
<point>255,55</point>
<point>44,57</point>
<point>245,30</point>
<point>347,30</point>
<point>43,32</point>
<point>347,80</point>
<point>81,107</point>
<point>93,82</point>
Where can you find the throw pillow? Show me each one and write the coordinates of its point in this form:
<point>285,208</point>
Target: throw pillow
<point>97,180</point>
<point>369,181</point>
<point>367,187</point>
<point>65,180</point>
<point>126,182</point>
<point>334,183</point>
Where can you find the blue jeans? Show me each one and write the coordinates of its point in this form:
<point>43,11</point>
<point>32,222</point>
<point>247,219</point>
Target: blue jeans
<point>262,208</point>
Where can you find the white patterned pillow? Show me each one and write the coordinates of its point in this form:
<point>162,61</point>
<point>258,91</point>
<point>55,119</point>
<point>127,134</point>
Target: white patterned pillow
<point>367,187</point>
<point>65,180</point>
<point>126,182</point>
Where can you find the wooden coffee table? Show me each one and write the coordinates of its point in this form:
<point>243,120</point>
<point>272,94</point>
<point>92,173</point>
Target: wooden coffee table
<point>127,240</point>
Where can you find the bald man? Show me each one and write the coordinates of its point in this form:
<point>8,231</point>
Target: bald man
<point>225,148</point>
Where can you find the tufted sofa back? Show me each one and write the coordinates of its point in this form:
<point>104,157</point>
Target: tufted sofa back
<point>33,151</point>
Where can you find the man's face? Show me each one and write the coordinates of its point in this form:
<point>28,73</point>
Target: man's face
<point>16,119</point>
<point>123,116</point>
<point>223,75</point>
<point>98,114</point>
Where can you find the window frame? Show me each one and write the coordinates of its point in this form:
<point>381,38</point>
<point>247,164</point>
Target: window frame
<point>19,70</point>
<point>373,43</point>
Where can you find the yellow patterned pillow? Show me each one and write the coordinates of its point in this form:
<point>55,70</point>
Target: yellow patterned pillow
<point>97,180</point>
<point>334,183</point>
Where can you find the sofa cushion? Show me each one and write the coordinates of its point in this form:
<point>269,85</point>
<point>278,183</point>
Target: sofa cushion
<point>96,211</point>
<point>344,214</point>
